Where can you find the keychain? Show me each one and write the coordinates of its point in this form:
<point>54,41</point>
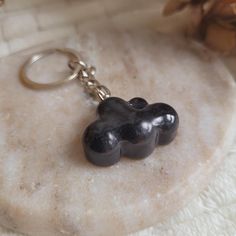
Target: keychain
<point>132,129</point>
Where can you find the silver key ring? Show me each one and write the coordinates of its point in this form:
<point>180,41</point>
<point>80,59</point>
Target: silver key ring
<point>72,56</point>
<point>80,71</point>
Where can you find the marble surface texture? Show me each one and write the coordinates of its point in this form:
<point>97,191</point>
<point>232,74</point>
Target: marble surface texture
<point>47,186</point>
<point>27,23</point>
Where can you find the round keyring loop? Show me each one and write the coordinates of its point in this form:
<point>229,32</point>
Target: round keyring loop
<point>73,57</point>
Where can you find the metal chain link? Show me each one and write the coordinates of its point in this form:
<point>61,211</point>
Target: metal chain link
<point>86,76</point>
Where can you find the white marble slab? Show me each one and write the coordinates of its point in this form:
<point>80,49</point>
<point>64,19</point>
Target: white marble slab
<point>47,186</point>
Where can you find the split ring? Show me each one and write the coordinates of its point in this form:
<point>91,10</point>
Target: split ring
<point>72,56</point>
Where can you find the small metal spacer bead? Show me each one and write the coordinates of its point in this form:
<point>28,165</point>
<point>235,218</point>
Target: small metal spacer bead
<point>86,74</point>
<point>102,92</point>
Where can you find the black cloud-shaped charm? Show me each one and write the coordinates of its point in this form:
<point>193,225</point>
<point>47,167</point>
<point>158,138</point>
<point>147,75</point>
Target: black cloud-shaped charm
<point>132,129</point>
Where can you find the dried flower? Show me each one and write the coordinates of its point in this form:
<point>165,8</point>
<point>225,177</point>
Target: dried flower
<point>212,21</point>
<point>174,6</point>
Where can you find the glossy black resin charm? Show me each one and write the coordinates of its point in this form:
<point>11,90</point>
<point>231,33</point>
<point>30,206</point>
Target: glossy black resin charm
<point>132,129</point>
